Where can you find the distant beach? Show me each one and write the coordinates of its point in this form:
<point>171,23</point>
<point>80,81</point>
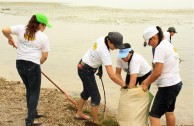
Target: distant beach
<point>74,30</point>
<point>124,4</point>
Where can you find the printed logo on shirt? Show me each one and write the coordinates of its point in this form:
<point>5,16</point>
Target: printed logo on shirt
<point>175,50</point>
<point>95,46</point>
<point>175,54</point>
<point>28,44</point>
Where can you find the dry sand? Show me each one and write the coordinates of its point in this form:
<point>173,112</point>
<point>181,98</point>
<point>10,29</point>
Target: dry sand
<point>74,30</point>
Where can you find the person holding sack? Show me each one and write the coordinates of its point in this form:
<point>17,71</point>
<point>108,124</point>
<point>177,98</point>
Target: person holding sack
<point>167,35</point>
<point>166,74</point>
<point>136,67</point>
<point>133,102</point>
<point>98,55</point>
<point>32,51</point>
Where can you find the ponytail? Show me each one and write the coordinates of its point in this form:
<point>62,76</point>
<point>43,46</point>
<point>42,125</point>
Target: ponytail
<point>160,34</point>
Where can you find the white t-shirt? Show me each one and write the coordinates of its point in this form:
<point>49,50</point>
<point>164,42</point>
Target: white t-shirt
<point>167,36</point>
<point>138,65</point>
<point>166,54</point>
<point>30,50</point>
<point>98,54</point>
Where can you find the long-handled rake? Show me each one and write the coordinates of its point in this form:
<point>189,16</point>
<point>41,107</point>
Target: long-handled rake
<point>66,95</point>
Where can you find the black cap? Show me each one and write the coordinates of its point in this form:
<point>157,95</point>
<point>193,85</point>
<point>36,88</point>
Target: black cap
<point>117,39</point>
<point>171,29</point>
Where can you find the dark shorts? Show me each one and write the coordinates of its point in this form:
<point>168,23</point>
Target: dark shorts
<point>90,88</point>
<point>165,100</point>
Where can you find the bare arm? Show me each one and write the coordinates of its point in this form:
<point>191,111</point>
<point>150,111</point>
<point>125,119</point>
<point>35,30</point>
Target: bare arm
<point>7,33</point>
<point>113,77</point>
<point>118,72</point>
<point>133,79</point>
<point>44,57</point>
<point>153,76</point>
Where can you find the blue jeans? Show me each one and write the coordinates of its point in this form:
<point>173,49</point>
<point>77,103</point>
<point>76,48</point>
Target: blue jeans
<point>90,88</point>
<point>30,74</point>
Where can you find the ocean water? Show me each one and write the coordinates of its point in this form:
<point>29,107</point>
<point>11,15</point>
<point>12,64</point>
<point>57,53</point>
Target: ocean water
<point>123,4</point>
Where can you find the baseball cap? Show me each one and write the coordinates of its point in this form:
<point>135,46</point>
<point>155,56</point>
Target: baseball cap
<point>125,51</point>
<point>149,32</point>
<point>41,18</point>
<point>117,39</point>
<point>171,29</point>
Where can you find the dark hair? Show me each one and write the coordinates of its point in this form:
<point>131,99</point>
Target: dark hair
<point>127,45</point>
<point>106,42</point>
<point>31,28</point>
<point>132,51</point>
<point>160,34</point>
<point>145,44</point>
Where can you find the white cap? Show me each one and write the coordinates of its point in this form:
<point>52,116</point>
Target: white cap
<point>149,32</point>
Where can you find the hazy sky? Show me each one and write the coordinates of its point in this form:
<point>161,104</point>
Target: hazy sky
<point>129,4</point>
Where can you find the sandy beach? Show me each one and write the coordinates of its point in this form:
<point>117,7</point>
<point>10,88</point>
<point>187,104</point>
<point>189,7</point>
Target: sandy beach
<point>58,111</point>
<point>74,30</point>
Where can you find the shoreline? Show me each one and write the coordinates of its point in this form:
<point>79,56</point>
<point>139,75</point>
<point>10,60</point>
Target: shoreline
<point>72,5</point>
<point>100,15</point>
<point>125,4</point>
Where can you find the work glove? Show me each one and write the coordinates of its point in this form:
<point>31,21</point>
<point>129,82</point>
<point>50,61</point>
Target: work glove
<point>100,72</point>
<point>125,87</point>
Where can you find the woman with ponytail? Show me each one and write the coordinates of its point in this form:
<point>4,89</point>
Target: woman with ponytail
<point>32,51</point>
<point>165,74</point>
<point>136,67</point>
